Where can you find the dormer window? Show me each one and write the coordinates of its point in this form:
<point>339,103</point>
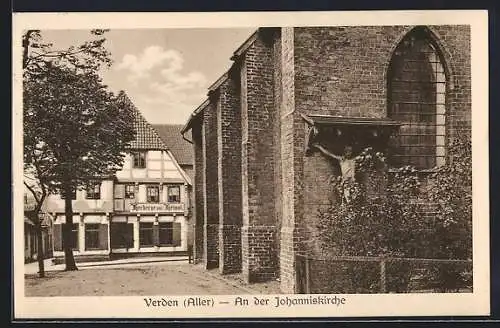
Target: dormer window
<point>139,159</point>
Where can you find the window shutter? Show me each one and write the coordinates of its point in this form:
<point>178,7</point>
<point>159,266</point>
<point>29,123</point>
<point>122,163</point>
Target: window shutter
<point>103,236</point>
<point>177,234</point>
<point>119,191</point>
<point>113,232</point>
<point>120,205</point>
<point>130,235</point>
<point>57,235</point>
<point>156,234</point>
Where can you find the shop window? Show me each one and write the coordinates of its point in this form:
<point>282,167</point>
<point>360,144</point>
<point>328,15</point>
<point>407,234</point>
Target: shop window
<point>153,194</point>
<point>139,159</point>
<point>122,235</point>
<point>92,236</point>
<point>94,191</point>
<point>146,234</point>
<point>166,233</point>
<point>174,194</point>
<point>416,98</point>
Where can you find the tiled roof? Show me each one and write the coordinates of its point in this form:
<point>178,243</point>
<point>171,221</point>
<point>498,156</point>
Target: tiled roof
<point>146,136</point>
<point>172,137</point>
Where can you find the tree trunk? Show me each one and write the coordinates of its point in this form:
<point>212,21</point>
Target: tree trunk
<point>40,254</point>
<point>67,227</point>
<point>26,44</point>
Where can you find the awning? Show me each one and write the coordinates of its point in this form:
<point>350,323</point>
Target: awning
<point>363,131</point>
<point>329,120</point>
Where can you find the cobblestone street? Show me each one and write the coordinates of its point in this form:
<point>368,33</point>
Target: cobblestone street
<point>137,279</point>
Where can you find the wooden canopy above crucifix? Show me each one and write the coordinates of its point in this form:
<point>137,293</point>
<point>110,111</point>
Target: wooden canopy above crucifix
<point>358,132</point>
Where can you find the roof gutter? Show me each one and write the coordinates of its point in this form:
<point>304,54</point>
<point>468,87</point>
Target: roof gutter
<point>244,47</point>
<point>188,124</point>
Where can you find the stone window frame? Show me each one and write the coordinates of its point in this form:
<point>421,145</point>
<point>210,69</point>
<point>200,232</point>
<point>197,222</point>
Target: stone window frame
<point>441,82</point>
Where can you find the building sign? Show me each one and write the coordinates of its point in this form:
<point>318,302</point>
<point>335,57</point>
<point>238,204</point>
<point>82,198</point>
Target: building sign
<point>156,207</point>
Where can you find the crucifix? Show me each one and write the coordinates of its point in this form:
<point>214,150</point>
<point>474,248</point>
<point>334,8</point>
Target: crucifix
<point>347,166</point>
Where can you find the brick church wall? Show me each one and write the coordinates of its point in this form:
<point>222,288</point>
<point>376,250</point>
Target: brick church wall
<point>291,140</point>
<point>198,188</point>
<point>305,70</point>
<point>456,43</point>
<point>260,261</point>
<point>342,71</point>
<point>211,195</point>
<point>229,160</point>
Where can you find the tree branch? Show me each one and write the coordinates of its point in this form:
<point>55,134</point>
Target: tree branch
<point>58,53</point>
<point>41,200</point>
<point>30,188</point>
<point>28,177</point>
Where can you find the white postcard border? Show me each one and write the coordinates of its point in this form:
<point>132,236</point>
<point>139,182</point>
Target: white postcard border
<point>356,305</point>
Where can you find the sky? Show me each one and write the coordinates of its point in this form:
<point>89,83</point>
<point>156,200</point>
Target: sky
<point>165,72</point>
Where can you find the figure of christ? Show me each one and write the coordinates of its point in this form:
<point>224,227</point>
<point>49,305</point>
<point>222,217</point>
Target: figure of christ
<point>347,166</point>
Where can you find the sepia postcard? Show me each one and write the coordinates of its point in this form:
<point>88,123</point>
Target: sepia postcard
<point>250,165</point>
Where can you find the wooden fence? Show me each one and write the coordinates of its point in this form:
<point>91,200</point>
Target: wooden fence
<point>314,275</point>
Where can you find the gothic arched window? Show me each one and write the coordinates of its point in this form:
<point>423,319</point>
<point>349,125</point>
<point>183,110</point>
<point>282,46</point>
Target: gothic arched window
<point>416,98</point>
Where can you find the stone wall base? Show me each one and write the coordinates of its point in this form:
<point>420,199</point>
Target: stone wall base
<point>289,247</point>
<point>198,252</point>
<point>211,246</point>
<point>259,253</point>
<point>229,249</point>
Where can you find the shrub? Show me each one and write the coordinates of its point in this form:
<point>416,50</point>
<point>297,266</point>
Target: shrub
<point>390,216</point>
